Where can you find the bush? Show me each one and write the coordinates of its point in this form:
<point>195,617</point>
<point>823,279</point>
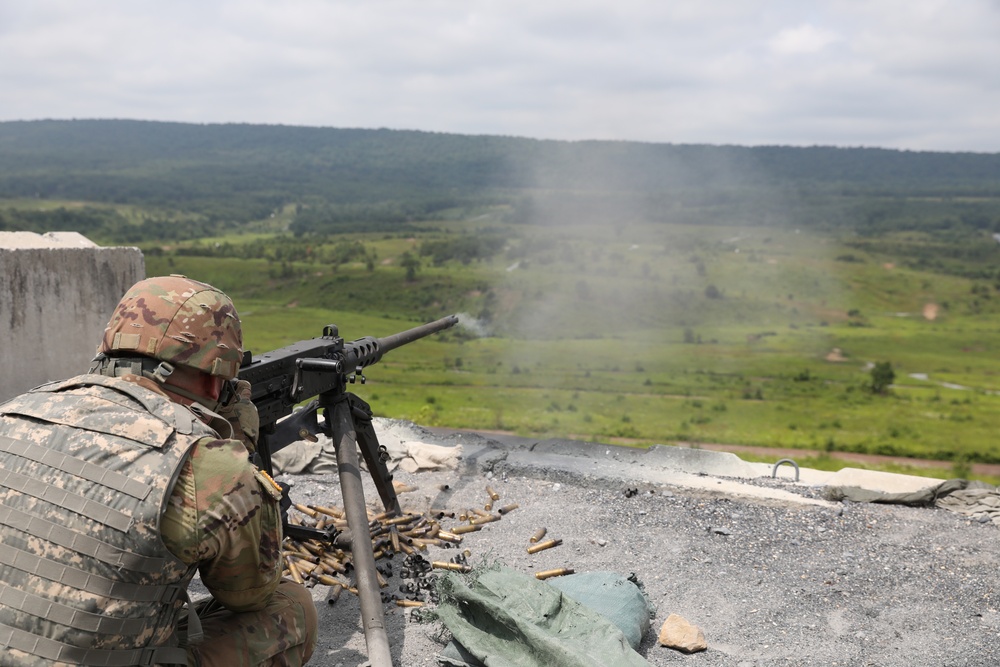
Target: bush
<point>882,377</point>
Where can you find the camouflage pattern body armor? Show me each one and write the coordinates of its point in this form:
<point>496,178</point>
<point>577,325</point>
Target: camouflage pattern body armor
<point>86,466</point>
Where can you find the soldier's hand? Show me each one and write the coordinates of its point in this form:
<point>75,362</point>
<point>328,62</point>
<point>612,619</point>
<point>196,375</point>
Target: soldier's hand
<point>242,414</point>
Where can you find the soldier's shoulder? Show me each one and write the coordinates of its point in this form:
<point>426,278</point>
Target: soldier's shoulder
<point>219,461</point>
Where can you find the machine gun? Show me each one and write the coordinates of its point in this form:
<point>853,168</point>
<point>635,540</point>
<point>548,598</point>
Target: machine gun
<point>320,369</point>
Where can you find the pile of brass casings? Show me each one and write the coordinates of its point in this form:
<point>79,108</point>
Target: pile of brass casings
<point>315,562</point>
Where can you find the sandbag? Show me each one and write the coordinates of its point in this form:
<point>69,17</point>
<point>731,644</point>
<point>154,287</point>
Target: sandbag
<point>613,596</point>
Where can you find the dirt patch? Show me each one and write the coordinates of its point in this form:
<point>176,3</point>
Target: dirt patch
<point>836,355</point>
<point>930,311</point>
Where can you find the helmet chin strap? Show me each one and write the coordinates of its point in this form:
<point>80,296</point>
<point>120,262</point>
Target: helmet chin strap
<point>197,398</point>
<point>158,372</point>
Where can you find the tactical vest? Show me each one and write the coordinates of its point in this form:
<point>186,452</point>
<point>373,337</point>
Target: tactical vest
<point>86,466</point>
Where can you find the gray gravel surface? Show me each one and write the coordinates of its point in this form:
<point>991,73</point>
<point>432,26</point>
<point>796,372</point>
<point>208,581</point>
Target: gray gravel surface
<point>769,583</point>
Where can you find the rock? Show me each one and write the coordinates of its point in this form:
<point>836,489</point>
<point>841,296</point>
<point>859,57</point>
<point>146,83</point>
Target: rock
<point>677,633</point>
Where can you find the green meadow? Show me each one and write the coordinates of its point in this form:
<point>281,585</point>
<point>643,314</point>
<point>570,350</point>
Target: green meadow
<point>641,333</point>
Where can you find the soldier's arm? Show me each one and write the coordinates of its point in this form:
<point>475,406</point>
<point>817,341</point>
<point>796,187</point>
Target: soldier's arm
<point>242,416</point>
<point>222,516</point>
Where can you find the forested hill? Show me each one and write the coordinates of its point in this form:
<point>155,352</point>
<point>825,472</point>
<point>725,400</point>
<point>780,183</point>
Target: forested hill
<point>243,171</point>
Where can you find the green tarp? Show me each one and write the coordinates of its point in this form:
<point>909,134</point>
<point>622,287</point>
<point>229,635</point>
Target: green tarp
<point>503,618</point>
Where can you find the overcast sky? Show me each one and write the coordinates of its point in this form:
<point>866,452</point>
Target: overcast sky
<point>912,74</point>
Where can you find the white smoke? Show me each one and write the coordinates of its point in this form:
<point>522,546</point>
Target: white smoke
<point>473,325</point>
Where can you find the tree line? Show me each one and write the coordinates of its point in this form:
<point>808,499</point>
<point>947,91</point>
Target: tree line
<point>341,180</point>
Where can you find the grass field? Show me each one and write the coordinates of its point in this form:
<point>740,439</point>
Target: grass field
<point>637,333</point>
<point>651,334</point>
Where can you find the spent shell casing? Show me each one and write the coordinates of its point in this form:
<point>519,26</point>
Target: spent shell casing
<point>404,518</point>
<point>305,509</point>
<point>409,603</point>
<point>449,536</point>
<point>335,590</point>
<point>329,567</point>
<point>311,549</point>
<point>293,571</point>
<point>541,546</point>
<point>489,518</point>
<point>468,528</point>
<point>456,567</point>
<point>488,507</point>
<point>424,542</point>
<point>492,494</point>
<point>333,563</point>
<point>539,534</point>
<point>306,567</point>
<point>558,572</point>
<point>329,511</point>
<point>297,552</point>
<point>508,508</point>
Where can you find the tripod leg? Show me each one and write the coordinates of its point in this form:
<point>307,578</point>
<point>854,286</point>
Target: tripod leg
<point>348,466</point>
<point>375,456</point>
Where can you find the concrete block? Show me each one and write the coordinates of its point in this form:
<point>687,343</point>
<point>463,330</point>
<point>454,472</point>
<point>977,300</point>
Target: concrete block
<point>699,461</point>
<point>885,482</point>
<point>56,296</point>
<point>594,450</point>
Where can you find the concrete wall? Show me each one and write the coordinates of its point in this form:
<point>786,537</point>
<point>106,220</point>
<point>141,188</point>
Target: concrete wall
<point>57,292</point>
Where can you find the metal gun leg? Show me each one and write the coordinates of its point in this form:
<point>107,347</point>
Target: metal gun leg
<point>349,469</point>
<point>375,455</point>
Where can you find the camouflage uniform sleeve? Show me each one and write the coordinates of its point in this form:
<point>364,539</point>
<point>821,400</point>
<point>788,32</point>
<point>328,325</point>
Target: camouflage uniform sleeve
<point>222,516</point>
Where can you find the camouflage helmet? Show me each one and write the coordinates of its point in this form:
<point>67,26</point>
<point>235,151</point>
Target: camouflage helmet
<point>180,321</point>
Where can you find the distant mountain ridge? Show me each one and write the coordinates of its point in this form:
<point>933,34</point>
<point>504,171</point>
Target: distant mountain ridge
<point>147,162</point>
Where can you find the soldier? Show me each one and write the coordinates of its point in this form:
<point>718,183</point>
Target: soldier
<point>117,485</point>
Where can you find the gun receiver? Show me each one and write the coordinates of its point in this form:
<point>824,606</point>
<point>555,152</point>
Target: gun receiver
<point>285,377</point>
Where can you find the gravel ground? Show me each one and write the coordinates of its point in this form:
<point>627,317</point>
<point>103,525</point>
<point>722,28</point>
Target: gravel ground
<point>769,583</point>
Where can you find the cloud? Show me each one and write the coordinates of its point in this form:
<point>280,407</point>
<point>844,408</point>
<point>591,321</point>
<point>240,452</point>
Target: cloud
<point>802,39</point>
<point>910,74</point>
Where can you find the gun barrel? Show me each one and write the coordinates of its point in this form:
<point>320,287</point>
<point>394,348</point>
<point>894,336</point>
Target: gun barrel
<point>410,335</point>
<point>369,350</point>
